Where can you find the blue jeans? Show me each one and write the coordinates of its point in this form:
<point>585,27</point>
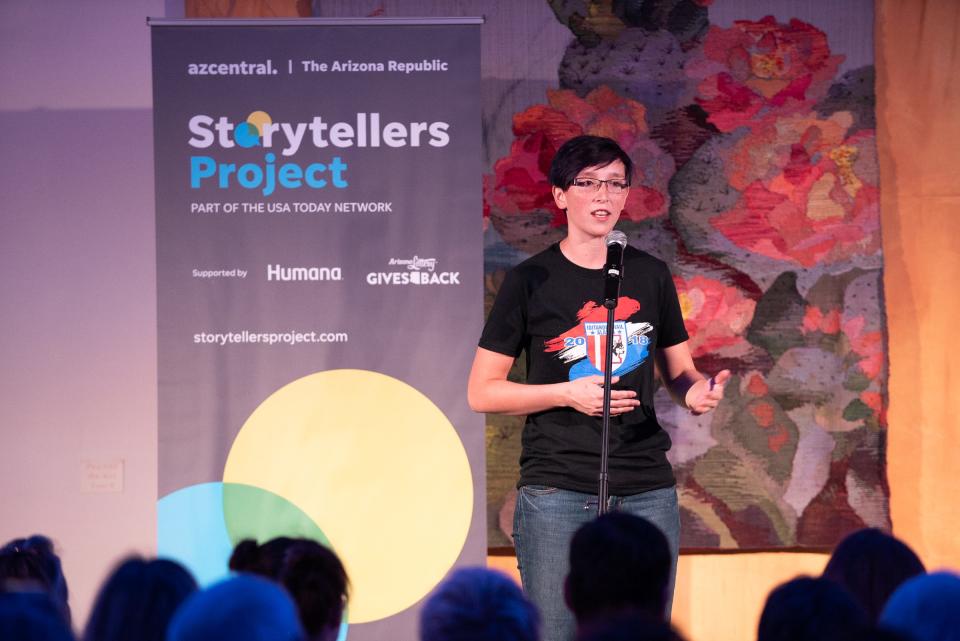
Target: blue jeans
<point>544,522</point>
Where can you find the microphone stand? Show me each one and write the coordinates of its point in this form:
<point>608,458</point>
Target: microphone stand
<point>616,243</point>
<point>603,492</point>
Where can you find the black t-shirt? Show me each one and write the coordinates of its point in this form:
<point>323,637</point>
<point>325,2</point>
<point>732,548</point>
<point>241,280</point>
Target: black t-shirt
<point>553,310</point>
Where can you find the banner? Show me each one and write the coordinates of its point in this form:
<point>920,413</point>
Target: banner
<point>320,270</point>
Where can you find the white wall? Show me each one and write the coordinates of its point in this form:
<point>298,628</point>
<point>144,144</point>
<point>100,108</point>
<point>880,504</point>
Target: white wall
<point>77,280</point>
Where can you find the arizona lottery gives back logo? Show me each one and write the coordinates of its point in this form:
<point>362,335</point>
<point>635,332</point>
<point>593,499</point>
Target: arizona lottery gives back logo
<point>585,344</point>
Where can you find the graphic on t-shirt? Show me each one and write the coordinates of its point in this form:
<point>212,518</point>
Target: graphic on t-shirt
<point>585,344</point>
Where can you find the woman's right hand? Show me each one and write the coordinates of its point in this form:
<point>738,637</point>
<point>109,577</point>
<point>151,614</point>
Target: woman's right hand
<point>586,395</point>
<point>488,390</point>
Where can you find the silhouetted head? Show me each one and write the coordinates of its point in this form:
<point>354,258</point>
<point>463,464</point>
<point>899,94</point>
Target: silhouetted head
<point>138,600</point>
<point>618,562</point>
<point>477,604</point>
<point>264,559</point>
<point>871,564</point>
<point>808,609</point>
<point>631,626</point>
<point>925,608</point>
<point>241,608</point>
<point>876,633</point>
<point>315,578</point>
<point>33,563</point>
<point>32,616</point>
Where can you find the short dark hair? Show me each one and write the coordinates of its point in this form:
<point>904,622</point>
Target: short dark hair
<point>477,604</point>
<point>807,609</point>
<point>312,574</point>
<point>618,562</point>
<point>317,581</point>
<point>264,559</point>
<point>871,564</point>
<point>138,600</point>
<point>581,152</point>
<point>34,559</point>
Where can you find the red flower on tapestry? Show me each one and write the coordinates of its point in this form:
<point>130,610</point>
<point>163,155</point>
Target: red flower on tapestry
<point>764,68</point>
<point>754,384</point>
<point>866,347</point>
<point>816,320</point>
<point>519,184</point>
<point>807,198</point>
<point>866,344</point>
<point>715,314</point>
<point>873,400</point>
<point>762,412</point>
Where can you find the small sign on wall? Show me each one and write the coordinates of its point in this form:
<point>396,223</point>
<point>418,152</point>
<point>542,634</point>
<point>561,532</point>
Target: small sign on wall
<point>99,476</point>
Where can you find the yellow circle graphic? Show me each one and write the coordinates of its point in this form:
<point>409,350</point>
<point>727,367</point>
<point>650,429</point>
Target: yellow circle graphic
<point>258,119</point>
<point>377,466</point>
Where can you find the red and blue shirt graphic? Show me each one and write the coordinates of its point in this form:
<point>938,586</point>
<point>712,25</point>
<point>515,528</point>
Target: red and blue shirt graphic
<point>585,344</point>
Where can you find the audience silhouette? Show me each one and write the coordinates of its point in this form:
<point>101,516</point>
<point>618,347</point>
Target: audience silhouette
<point>618,562</point>
<point>874,588</point>
<point>138,600</point>
<point>32,616</point>
<point>241,608</point>
<point>871,564</point>
<point>925,608</point>
<point>32,562</point>
<point>311,573</point>
<point>808,609</point>
<point>632,626</point>
<point>477,604</point>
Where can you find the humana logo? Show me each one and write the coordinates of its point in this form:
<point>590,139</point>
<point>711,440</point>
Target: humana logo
<point>278,272</point>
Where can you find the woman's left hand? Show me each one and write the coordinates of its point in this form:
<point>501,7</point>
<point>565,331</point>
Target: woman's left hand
<point>704,395</point>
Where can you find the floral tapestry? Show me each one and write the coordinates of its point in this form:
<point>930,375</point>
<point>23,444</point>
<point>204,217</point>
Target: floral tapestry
<point>754,137</point>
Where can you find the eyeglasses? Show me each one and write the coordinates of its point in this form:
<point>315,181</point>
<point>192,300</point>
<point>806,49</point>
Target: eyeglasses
<point>614,186</point>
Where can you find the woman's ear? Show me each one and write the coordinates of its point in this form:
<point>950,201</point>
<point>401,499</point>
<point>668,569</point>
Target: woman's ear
<point>559,197</point>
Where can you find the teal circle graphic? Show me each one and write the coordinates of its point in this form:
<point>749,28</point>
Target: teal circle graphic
<point>191,530</point>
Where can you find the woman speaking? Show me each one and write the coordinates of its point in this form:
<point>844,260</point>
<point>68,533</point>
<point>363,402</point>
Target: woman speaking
<point>551,307</point>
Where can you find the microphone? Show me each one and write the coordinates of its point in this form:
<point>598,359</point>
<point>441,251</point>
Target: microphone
<point>613,270</point>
